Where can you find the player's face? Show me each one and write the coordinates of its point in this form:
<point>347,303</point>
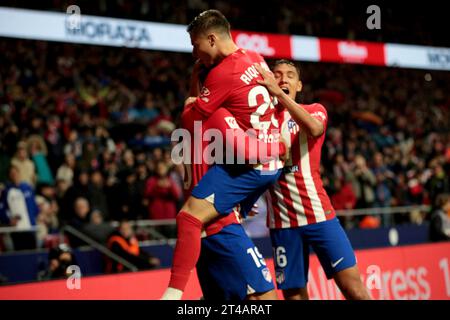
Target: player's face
<point>203,48</point>
<point>288,79</point>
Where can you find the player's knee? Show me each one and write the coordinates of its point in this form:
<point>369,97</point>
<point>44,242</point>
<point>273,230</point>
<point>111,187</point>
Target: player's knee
<point>200,209</point>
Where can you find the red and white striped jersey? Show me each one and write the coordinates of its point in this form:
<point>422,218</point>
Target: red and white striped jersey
<point>298,197</point>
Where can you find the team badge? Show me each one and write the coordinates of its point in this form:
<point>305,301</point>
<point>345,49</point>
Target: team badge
<point>280,276</point>
<point>292,126</point>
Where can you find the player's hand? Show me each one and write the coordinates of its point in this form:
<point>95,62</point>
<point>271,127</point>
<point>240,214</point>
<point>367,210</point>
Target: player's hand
<point>269,81</point>
<point>189,100</point>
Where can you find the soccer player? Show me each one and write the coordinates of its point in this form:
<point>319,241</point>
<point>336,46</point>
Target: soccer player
<point>299,210</point>
<point>230,266</point>
<point>230,83</point>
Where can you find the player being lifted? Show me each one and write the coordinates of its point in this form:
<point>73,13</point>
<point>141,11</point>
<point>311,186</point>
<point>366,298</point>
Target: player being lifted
<point>299,210</point>
<point>230,83</point>
<point>230,266</point>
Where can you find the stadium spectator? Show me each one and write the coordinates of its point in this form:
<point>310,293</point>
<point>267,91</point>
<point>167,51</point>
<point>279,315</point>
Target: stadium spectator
<point>25,166</point>
<point>38,154</point>
<point>123,243</point>
<point>163,194</point>
<point>97,193</point>
<point>18,209</point>
<point>363,183</point>
<point>79,189</point>
<point>440,219</point>
<point>82,210</point>
<point>438,183</point>
<point>59,259</point>
<point>66,171</point>
<point>97,228</point>
<point>130,201</point>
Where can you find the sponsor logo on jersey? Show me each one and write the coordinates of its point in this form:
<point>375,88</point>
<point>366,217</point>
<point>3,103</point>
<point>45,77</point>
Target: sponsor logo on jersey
<point>319,114</point>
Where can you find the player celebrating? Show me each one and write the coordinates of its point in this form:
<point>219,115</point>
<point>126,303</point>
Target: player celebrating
<point>226,270</point>
<point>299,210</point>
<point>230,83</point>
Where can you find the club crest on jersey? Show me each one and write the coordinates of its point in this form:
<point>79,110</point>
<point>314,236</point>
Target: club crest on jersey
<point>280,277</point>
<point>266,274</point>
<point>292,126</point>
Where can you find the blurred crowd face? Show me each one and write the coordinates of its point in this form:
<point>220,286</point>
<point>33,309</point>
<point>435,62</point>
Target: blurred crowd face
<point>22,152</point>
<point>96,217</point>
<point>97,178</point>
<point>378,159</point>
<point>128,158</point>
<point>14,175</point>
<point>162,169</point>
<point>126,230</point>
<point>360,162</point>
<point>81,208</point>
<point>70,161</point>
<point>288,79</point>
<point>83,178</point>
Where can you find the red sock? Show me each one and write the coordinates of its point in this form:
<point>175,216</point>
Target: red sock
<point>187,249</point>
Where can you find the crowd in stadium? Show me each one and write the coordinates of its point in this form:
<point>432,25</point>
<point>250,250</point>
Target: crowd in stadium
<point>87,129</point>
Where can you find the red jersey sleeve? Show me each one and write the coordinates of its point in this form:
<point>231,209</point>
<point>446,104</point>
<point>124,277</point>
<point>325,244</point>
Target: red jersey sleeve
<point>319,112</point>
<point>224,121</point>
<point>215,91</point>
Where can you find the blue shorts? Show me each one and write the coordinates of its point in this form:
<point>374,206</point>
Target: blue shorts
<point>226,186</point>
<point>291,252</point>
<point>230,267</point>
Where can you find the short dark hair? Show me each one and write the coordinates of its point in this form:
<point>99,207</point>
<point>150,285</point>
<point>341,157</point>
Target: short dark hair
<point>207,20</point>
<point>288,62</point>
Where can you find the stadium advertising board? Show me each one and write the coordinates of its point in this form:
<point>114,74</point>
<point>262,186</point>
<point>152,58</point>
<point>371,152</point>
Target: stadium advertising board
<point>418,272</point>
<point>51,26</point>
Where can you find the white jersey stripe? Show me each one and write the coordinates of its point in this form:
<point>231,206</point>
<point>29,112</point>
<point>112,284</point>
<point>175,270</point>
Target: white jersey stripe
<point>296,199</point>
<point>285,223</point>
<point>270,209</point>
<point>316,204</point>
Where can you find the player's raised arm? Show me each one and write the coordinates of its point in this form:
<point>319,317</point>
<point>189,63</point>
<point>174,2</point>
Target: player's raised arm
<point>244,146</point>
<point>303,118</point>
